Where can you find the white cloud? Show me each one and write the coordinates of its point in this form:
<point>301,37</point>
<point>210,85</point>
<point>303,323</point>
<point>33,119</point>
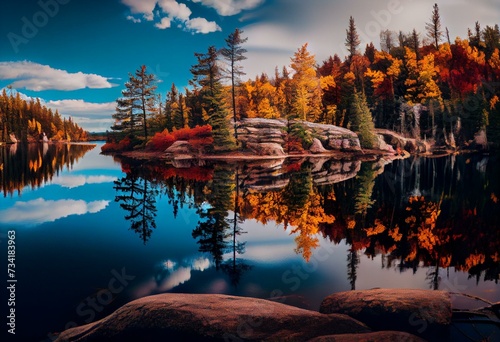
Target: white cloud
<point>133,19</point>
<point>202,25</point>
<point>93,117</point>
<point>171,10</point>
<point>273,37</point>
<point>74,181</point>
<point>38,77</point>
<point>163,24</point>
<point>73,107</point>
<point>201,264</point>
<point>40,210</point>
<point>93,124</point>
<point>270,45</point>
<point>144,7</point>
<point>176,275</point>
<point>175,10</point>
<point>176,278</point>
<point>230,7</point>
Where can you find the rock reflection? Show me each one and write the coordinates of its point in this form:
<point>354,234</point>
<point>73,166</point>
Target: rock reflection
<point>433,213</point>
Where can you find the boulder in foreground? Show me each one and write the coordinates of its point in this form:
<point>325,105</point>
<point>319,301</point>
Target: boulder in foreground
<point>379,336</point>
<point>209,317</point>
<point>424,313</point>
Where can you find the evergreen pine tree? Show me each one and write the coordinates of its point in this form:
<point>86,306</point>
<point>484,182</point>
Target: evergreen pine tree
<point>361,120</point>
<point>352,40</point>
<point>233,53</point>
<point>433,28</point>
<point>207,75</point>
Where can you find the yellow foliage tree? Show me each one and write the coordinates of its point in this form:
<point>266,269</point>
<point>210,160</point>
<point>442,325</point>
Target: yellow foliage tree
<point>306,85</point>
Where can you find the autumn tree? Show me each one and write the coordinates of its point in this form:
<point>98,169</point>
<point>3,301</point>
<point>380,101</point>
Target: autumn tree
<point>466,67</point>
<point>383,74</point>
<point>358,66</point>
<point>306,85</point>
<point>352,40</point>
<point>28,120</point>
<point>260,96</point>
<point>284,92</point>
<point>234,54</point>
<point>411,82</point>
<point>330,76</point>
<point>433,28</point>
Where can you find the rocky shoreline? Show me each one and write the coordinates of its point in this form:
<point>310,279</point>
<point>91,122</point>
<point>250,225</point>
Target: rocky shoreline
<point>366,315</point>
<point>265,139</point>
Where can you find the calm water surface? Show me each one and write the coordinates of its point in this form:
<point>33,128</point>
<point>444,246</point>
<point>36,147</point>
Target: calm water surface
<point>93,232</point>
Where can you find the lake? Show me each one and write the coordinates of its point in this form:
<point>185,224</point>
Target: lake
<point>93,232</point>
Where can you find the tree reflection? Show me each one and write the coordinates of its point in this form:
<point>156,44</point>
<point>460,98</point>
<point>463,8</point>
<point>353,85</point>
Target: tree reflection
<point>216,232</point>
<point>365,182</point>
<point>32,165</point>
<point>138,198</point>
<point>213,228</point>
<point>453,222</point>
<point>235,267</point>
<point>352,267</point>
<point>298,206</point>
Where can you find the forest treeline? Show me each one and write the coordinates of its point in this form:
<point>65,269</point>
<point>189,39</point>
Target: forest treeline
<point>426,87</point>
<point>29,120</point>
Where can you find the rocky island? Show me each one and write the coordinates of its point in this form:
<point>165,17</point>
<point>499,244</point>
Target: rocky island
<point>262,139</point>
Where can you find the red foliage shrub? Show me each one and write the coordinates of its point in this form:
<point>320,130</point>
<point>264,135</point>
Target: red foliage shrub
<point>195,173</point>
<point>124,145</point>
<point>161,141</point>
<point>181,134</point>
<point>294,144</point>
<point>294,167</point>
<point>198,137</point>
<point>109,147</point>
<point>201,131</point>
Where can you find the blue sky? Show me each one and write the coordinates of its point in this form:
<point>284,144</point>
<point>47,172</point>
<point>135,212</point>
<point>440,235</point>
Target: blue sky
<point>76,54</point>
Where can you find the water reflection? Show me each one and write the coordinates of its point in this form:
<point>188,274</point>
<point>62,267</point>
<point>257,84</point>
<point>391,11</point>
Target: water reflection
<point>137,197</point>
<point>433,213</point>
<point>35,164</point>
